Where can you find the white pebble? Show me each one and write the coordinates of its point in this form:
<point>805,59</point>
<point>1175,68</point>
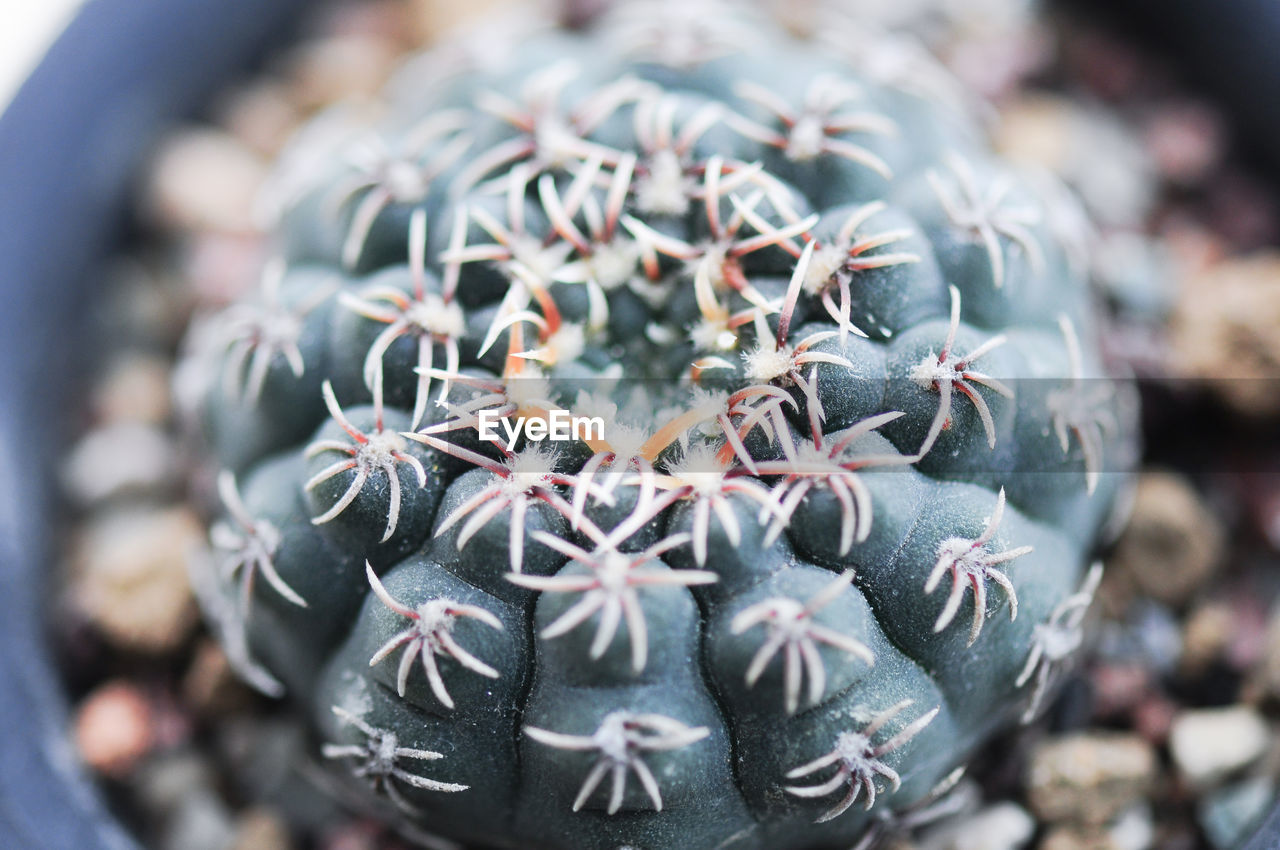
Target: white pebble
<point>1003,826</point>
<point>124,457</point>
<point>1133,830</point>
<point>1210,744</point>
<point>205,179</point>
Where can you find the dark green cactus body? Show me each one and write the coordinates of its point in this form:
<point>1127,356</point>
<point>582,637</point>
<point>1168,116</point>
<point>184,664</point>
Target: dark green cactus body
<point>853,420</point>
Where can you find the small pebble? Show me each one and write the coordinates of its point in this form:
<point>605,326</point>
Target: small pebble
<point>1076,838</point>
<point>162,783</point>
<point>329,70</point>
<point>1138,275</point>
<point>387,20</point>
<point>434,18</point>
<point>1149,635</point>
<point>1003,826</point>
<point>1108,66</point>
<point>1194,249</point>
<point>201,821</point>
<point>1153,718</point>
<point>1265,507</point>
<point>177,792</point>
<point>261,829</point>
<point>113,728</point>
<point>1206,634</point>
<point>1089,777</point>
<point>262,115</point>
<point>130,458</point>
<point>1224,331</point>
<point>353,835</point>
<point>992,62</point>
<point>210,687</point>
<point>1209,745</point>
<point>150,303</point>
<point>1174,540</point>
<point>1250,605</point>
<point>1228,814</point>
<point>1036,128</point>
<point>131,576</point>
<point>135,388</point>
<point>1185,141</point>
<point>204,179</point>
<point>1118,688</point>
<point>1059,133</point>
<point>1244,210</point>
<point>1264,681</point>
<point>223,267</point>
<point>1131,830</point>
<point>1134,830</point>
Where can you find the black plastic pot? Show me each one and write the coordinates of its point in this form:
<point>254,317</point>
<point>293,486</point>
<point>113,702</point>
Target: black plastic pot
<point>69,145</point>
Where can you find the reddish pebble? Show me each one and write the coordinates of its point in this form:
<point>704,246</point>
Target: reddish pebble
<point>1185,141</point>
<point>1152,718</point>
<point>353,835</point>
<point>1117,688</point>
<point>114,728</point>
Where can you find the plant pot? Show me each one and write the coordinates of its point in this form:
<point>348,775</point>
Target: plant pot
<point>70,144</point>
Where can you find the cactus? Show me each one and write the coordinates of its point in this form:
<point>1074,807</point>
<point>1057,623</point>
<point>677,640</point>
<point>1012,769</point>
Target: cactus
<point>848,443</point>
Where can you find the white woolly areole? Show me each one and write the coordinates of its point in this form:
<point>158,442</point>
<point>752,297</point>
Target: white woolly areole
<point>823,265</point>
<point>437,317</point>
<point>433,618</point>
<point>766,364</point>
<point>709,335</point>
<point>407,182</point>
<point>380,449</point>
<point>700,469</point>
<point>542,261</point>
<point>566,344</point>
<point>929,371</point>
<point>528,388</point>
<point>612,571</point>
<point>614,263</point>
<point>854,750</point>
<point>665,190</point>
<point>626,440</point>
<point>806,138</point>
<point>530,468</point>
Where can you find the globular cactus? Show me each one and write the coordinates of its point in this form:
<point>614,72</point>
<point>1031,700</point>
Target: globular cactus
<point>847,441</point>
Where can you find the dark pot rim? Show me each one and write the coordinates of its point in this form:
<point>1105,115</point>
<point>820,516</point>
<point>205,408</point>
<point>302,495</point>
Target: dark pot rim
<point>82,123</point>
<point>70,142</point>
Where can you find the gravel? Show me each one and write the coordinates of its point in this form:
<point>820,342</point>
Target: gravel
<point>1089,778</point>
<point>131,568</point>
<point>1173,543</point>
<point>1208,745</point>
